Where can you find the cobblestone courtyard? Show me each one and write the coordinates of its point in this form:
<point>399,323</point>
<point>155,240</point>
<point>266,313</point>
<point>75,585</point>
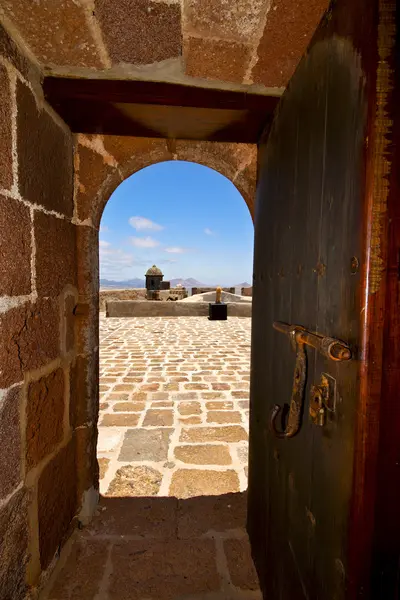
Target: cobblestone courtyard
<point>172,451</point>
<point>173,406</point>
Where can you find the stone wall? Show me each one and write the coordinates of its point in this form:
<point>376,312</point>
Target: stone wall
<point>38,339</point>
<point>235,42</point>
<point>129,294</point>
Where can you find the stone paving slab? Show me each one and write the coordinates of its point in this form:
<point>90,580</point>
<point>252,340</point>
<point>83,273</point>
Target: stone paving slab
<point>174,398</point>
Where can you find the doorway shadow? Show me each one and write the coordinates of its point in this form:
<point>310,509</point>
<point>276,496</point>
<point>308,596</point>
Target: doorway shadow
<point>147,548</point>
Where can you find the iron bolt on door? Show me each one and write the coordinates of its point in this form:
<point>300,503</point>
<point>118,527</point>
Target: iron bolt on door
<point>333,349</point>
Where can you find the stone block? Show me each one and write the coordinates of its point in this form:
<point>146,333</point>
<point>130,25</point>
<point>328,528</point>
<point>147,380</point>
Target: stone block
<point>240,564</point>
<point>204,454</point>
<point>150,518</point>
<point>187,483</point>
<point>189,408</point>
<point>219,405</point>
<point>135,153</point>
<point>82,574</point>
<point>216,59</point>
<point>44,416</point>
<point>14,546</point>
<point>195,420</point>
<point>11,52</point>
<point>183,569</point>
<point>158,418</point>
<point>55,254</point>
<point>129,406</point>
<point>224,416</point>
<point>285,38</point>
<point>145,444</point>
<point>220,513</point>
<point>45,166</point>
<point>10,440</point>
<point>227,433</point>
<point>93,170</point>
<point>120,420</point>
<point>239,20</point>
<point>29,338</point>
<point>57,33</point>
<point>83,403</point>
<point>87,243</point>
<point>15,244</point>
<point>56,501</point>
<point>87,467</point>
<point>6,172</point>
<point>135,481</point>
<point>140,31</point>
<point>103,466</point>
<point>68,323</point>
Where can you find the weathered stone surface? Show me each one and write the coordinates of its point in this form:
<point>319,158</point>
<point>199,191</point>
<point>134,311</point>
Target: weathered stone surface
<point>6,174</point>
<point>182,568</point>
<point>83,404</point>
<point>29,338</point>
<point>45,168</point>
<point>243,454</point>
<point>44,416</point>
<point>55,254</point>
<point>92,171</point>
<point>68,324</point>
<point>11,52</point>
<point>13,546</point>
<point>120,420</point>
<point>56,501</point>
<point>15,241</point>
<point>189,408</point>
<point>134,153</point>
<point>195,482</point>
<point>153,518</point>
<point>219,405</point>
<point>10,440</point>
<point>194,420</point>
<point>286,35</point>
<point>103,466</point>
<point>56,32</point>
<point>81,576</point>
<point>203,455</point>
<point>220,513</point>
<point>158,418</point>
<point>224,416</point>
<point>145,444</point>
<point>109,439</point>
<point>87,467</point>
<point>135,481</point>
<point>128,406</point>
<point>216,59</point>
<point>140,31</point>
<point>233,433</point>
<point>240,564</point>
<point>237,20</point>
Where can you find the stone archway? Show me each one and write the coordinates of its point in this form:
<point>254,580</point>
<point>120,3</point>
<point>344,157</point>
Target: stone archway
<point>101,164</point>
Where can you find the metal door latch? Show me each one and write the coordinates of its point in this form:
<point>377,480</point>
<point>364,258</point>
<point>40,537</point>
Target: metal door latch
<point>319,401</point>
<point>331,348</point>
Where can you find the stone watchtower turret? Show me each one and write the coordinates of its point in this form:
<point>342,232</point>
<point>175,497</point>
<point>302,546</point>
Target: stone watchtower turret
<point>154,278</point>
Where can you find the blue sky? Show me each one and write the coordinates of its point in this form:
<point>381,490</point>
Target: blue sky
<point>186,218</point>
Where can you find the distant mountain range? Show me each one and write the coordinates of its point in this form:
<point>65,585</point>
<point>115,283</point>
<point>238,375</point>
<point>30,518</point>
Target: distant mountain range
<point>118,285</point>
<point>140,283</point>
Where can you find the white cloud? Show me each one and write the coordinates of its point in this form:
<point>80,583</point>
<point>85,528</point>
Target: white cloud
<point>208,231</point>
<point>104,244</point>
<point>175,250</point>
<point>104,229</point>
<point>145,242</point>
<point>141,224</point>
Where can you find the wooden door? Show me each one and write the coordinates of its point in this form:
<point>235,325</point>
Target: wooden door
<point>323,261</point>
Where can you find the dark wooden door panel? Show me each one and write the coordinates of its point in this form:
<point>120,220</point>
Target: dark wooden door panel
<point>322,505</point>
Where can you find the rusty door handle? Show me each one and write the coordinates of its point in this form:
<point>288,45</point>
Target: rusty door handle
<point>300,337</point>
